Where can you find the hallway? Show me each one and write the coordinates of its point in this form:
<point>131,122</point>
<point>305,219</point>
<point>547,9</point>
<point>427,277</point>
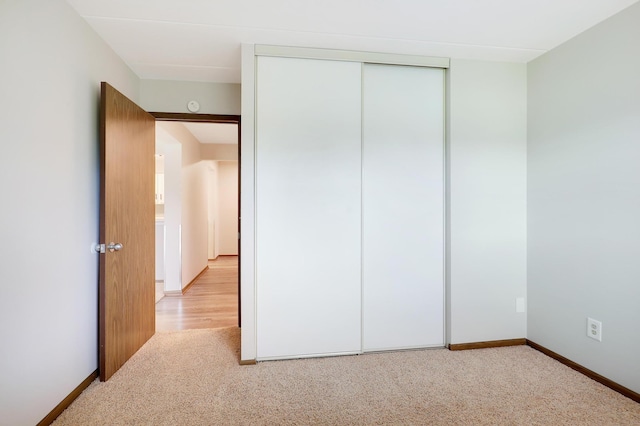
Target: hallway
<point>211,302</point>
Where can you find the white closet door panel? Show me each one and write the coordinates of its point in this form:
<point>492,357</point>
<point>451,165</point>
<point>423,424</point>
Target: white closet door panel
<point>308,186</point>
<point>403,207</point>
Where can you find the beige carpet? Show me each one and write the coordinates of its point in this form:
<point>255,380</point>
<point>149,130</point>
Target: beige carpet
<point>193,378</point>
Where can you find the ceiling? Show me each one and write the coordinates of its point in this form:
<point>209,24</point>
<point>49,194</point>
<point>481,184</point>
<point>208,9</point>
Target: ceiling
<point>199,40</point>
<point>215,133</point>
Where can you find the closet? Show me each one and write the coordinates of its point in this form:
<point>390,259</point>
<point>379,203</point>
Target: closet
<point>349,196</point>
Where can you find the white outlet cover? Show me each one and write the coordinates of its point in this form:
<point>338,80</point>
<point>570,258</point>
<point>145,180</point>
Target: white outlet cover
<point>594,329</point>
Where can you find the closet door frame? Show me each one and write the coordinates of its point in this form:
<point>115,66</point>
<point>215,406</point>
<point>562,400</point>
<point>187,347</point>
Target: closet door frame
<point>249,52</point>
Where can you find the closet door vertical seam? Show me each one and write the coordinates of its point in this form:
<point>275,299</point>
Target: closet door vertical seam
<point>362,294</point>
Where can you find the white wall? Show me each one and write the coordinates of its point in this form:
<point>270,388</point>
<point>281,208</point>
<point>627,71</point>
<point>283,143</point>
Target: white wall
<point>194,198</point>
<point>52,63</point>
<point>173,96</point>
<point>247,207</point>
<point>487,196</point>
<point>227,229</point>
<point>584,198</point>
<point>219,151</point>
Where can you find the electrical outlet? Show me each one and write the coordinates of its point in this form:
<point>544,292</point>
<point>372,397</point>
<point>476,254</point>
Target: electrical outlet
<point>594,329</point>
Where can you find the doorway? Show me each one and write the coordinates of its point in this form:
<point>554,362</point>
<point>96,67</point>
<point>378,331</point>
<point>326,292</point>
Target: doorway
<point>209,180</point>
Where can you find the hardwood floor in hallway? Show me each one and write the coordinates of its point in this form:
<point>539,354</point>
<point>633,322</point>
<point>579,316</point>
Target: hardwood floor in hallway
<point>211,302</point>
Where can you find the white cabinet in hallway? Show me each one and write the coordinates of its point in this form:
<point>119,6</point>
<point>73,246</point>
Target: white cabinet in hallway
<point>159,188</point>
<point>160,250</point>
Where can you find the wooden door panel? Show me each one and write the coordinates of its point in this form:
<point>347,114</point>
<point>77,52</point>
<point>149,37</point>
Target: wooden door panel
<point>127,211</point>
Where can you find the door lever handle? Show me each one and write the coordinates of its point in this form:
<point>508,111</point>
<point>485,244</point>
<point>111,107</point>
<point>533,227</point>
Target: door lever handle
<point>114,247</point>
<point>102,248</point>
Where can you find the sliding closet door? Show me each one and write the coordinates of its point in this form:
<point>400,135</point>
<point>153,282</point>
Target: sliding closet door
<point>403,207</point>
<point>308,233</point>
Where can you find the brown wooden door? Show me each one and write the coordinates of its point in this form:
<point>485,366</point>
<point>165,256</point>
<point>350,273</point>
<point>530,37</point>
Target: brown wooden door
<point>127,213</point>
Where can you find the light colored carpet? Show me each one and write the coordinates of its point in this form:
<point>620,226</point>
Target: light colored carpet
<point>193,378</point>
